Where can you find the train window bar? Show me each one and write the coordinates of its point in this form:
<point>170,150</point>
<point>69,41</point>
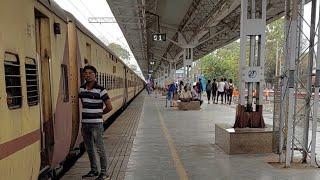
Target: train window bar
<point>109,82</point>
<point>32,81</point>
<point>105,81</point>
<point>13,80</point>
<point>114,82</point>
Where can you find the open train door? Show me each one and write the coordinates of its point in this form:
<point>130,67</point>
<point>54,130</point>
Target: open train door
<point>43,46</point>
<point>125,93</point>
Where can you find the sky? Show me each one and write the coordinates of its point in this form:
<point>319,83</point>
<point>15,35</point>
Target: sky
<point>110,32</point>
<point>106,32</point>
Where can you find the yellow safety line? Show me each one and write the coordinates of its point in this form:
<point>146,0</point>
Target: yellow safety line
<point>176,159</point>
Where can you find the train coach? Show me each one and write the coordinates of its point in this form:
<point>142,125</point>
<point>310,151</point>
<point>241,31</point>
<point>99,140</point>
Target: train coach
<point>42,51</point>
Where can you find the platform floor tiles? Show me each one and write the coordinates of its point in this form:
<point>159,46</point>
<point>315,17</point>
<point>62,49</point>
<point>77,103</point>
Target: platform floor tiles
<point>118,140</point>
<point>165,143</point>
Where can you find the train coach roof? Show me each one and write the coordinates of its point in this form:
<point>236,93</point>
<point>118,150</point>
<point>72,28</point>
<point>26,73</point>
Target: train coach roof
<point>67,16</point>
<point>55,8</point>
<point>84,30</point>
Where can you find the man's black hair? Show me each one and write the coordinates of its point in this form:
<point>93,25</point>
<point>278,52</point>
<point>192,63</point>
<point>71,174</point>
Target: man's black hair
<point>91,68</point>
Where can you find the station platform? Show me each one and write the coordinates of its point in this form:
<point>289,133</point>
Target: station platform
<point>151,141</point>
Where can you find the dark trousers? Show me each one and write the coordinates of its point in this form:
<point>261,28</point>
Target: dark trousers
<point>230,96</point>
<point>220,94</point>
<point>93,135</point>
<point>225,96</point>
<point>214,96</point>
<point>208,95</point>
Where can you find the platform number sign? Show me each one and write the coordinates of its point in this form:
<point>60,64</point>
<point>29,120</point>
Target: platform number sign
<point>159,37</point>
<point>252,74</point>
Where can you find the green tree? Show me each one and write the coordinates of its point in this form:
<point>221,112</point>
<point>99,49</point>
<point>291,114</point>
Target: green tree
<point>120,51</point>
<point>274,49</point>
<point>222,63</point>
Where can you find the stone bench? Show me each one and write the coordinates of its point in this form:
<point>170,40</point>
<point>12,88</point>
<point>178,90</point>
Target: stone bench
<point>192,105</point>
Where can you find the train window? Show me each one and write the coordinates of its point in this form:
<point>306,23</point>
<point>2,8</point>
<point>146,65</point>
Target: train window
<point>32,81</point>
<point>114,70</point>
<point>107,87</point>
<point>110,82</point>
<point>102,81</point>
<point>105,80</point>
<point>117,82</point>
<point>113,82</point>
<point>107,83</point>
<point>65,83</point>
<point>13,80</point>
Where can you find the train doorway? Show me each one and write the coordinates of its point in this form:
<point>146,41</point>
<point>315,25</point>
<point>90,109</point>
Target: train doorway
<point>125,86</point>
<point>43,49</point>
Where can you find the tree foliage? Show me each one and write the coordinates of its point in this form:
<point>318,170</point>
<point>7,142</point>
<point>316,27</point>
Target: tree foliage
<point>120,51</point>
<point>274,49</point>
<point>224,62</point>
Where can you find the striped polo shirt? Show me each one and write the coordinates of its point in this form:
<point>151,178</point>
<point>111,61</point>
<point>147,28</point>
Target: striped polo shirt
<point>92,103</point>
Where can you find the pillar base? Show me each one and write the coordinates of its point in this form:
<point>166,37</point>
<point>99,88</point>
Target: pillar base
<point>252,119</point>
<point>243,140</point>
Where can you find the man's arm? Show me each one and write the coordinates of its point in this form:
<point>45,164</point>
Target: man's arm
<point>108,107</point>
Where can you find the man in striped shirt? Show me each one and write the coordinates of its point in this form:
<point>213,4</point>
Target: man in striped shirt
<point>93,97</point>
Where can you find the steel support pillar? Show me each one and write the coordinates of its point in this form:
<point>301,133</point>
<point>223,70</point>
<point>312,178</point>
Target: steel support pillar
<point>291,56</point>
<point>308,85</point>
<point>187,63</point>
<point>315,106</point>
<point>251,69</point>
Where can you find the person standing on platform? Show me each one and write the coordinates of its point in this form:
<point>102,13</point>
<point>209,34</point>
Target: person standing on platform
<point>220,90</point>
<point>226,90</point>
<point>230,92</point>
<point>156,88</point>
<point>93,97</point>
<point>208,90</point>
<point>199,88</point>
<point>171,90</point>
<point>214,91</point>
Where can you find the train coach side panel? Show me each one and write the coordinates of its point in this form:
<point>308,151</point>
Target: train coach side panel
<point>59,74</point>
<point>20,127</point>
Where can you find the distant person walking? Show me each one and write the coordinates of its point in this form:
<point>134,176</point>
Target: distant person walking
<point>208,90</point>
<point>199,87</point>
<point>230,91</point>
<point>93,96</point>
<point>214,91</point>
<point>171,90</point>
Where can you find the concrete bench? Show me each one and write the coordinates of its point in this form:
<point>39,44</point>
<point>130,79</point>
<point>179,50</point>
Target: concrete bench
<point>192,105</point>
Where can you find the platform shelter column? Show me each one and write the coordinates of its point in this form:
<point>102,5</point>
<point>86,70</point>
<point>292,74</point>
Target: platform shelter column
<point>187,63</point>
<point>251,69</point>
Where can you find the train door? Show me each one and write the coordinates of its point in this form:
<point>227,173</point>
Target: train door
<point>135,86</point>
<point>125,86</point>
<point>43,43</point>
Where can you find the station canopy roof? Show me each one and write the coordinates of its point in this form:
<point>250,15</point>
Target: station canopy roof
<point>204,24</point>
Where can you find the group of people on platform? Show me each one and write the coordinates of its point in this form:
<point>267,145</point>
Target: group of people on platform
<point>223,89</point>
<point>185,92</point>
